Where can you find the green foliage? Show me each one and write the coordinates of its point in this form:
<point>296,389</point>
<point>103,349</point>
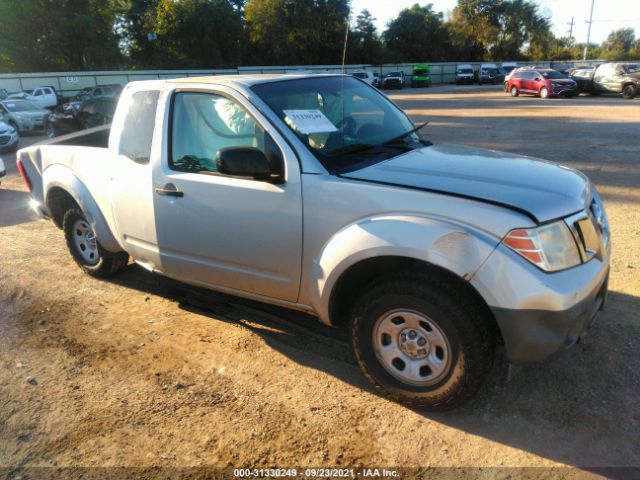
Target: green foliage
<point>364,44</point>
<point>417,34</point>
<point>621,45</point>
<point>58,35</point>
<point>290,32</point>
<point>41,35</point>
<point>196,33</point>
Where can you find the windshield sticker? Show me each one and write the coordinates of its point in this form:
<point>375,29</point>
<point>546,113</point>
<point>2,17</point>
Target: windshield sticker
<point>309,121</point>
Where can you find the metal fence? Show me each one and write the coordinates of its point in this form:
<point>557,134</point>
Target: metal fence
<point>69,83</point>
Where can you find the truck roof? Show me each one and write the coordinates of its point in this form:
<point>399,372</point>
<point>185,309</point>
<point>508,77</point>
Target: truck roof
<point>246,80</point>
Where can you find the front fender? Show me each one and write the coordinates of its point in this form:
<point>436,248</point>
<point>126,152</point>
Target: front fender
<point>60,176</point>
<point>452,246</point>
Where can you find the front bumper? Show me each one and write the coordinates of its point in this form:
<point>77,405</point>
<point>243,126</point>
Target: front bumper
<point>539,313</point>
<point>392,83</point>
<point>564,90</point>
<point>9,141</point>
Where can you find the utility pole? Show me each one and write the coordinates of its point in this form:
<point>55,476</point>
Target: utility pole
<point>586,47</point>
<point>571,29</point>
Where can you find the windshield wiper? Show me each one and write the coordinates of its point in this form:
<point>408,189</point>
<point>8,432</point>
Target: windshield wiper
<point>400,137</point>
<point>353,148</point>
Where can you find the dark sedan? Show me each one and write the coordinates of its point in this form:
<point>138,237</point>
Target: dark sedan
<point>91,113</point>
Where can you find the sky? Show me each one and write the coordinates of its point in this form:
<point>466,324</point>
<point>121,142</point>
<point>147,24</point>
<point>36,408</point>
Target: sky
<point>608,15</point>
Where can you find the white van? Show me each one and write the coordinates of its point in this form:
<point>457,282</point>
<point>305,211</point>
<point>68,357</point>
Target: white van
<point>464,73</point>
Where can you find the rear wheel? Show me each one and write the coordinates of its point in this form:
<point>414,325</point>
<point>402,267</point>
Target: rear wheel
<point>629,92</point>
<point>544,92</point>
<point>417,342</point>
<point>85,248</point>
<point>514,91</point>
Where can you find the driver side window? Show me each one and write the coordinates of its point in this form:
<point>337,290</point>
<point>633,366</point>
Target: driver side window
<point>204,123</point>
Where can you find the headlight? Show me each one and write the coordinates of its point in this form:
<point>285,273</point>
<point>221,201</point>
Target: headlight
<point>550,247</point>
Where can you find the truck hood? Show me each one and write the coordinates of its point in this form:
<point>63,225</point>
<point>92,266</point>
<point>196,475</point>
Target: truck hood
<point>540,189</point>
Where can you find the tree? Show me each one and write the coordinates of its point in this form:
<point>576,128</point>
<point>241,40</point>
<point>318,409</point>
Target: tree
<point>72,35</point>
<point>499,29</point>
<point>364,43</point>
<point>417,34</point>
<point>619,44</point>
<point>195,33</point>
<point>287,32</point>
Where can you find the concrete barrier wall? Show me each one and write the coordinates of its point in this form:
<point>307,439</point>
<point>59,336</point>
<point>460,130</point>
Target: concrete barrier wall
<point>69,83</point>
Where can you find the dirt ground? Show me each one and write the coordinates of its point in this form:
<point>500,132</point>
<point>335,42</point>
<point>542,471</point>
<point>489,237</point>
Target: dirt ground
<point>141,371</point>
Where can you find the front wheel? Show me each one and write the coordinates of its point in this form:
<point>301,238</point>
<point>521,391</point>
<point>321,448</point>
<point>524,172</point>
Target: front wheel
<point>544,92</point>
<point>514,91</point>
<point>85,249</point>
<point>418,343</point>
<point>629,92</point>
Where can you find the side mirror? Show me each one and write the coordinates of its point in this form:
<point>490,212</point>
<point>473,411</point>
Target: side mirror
<point>248,162</point>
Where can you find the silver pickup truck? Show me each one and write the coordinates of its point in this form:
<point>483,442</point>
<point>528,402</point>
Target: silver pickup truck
<point>318,193</point>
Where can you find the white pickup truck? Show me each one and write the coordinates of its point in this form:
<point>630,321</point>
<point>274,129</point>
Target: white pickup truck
<point>318,193</point>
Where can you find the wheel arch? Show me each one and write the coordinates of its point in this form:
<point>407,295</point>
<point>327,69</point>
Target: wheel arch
<point>345,291</point>
<point>372,247</point>
<point>62,191</point>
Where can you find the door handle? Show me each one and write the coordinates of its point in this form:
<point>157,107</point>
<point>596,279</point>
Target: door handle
<point>169,190</point>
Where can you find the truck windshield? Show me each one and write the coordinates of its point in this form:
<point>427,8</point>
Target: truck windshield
<point>345,123</point>
<point>632,68</point>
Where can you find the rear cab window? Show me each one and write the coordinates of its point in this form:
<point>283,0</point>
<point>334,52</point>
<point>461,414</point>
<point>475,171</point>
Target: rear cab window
<point>136,137</point>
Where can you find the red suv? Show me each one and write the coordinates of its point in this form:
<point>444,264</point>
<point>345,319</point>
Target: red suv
<point>542,83</point>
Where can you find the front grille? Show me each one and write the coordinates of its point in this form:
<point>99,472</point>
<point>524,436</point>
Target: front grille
<point>4,139</point>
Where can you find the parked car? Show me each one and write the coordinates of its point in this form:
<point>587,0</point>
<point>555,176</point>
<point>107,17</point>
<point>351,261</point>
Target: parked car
<point>584,79</point>
<point>376,79</point>
<point>509,66</point>
<point>421,76</point>
<point>489,73</point>
<point>22,115</point>
<point>94,112</point>
<point>510,74</point>
<point>464,74</point>
<point>3,93</point>
<point>9,138</point>
<point>541,83</point>
<point>364,75</point>
<point>99,91</point>
<point>43,97</point>
<point>434,254</point>
<point>393,80</point>
<point>615,77</point>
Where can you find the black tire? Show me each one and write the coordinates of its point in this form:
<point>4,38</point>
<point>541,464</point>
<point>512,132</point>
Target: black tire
<point>461,322</point>
<point>629,92</point>
<point>514,91</point>
<point>106,264</point>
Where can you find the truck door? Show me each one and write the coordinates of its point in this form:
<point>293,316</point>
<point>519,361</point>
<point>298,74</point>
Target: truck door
<point>221,231</point>
<point>130,142</point>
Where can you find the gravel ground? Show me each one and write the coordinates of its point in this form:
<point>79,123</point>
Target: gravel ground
<point>141,371</point>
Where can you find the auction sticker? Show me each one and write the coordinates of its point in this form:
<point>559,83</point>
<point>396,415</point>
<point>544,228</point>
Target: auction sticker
<point>310,121</point>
